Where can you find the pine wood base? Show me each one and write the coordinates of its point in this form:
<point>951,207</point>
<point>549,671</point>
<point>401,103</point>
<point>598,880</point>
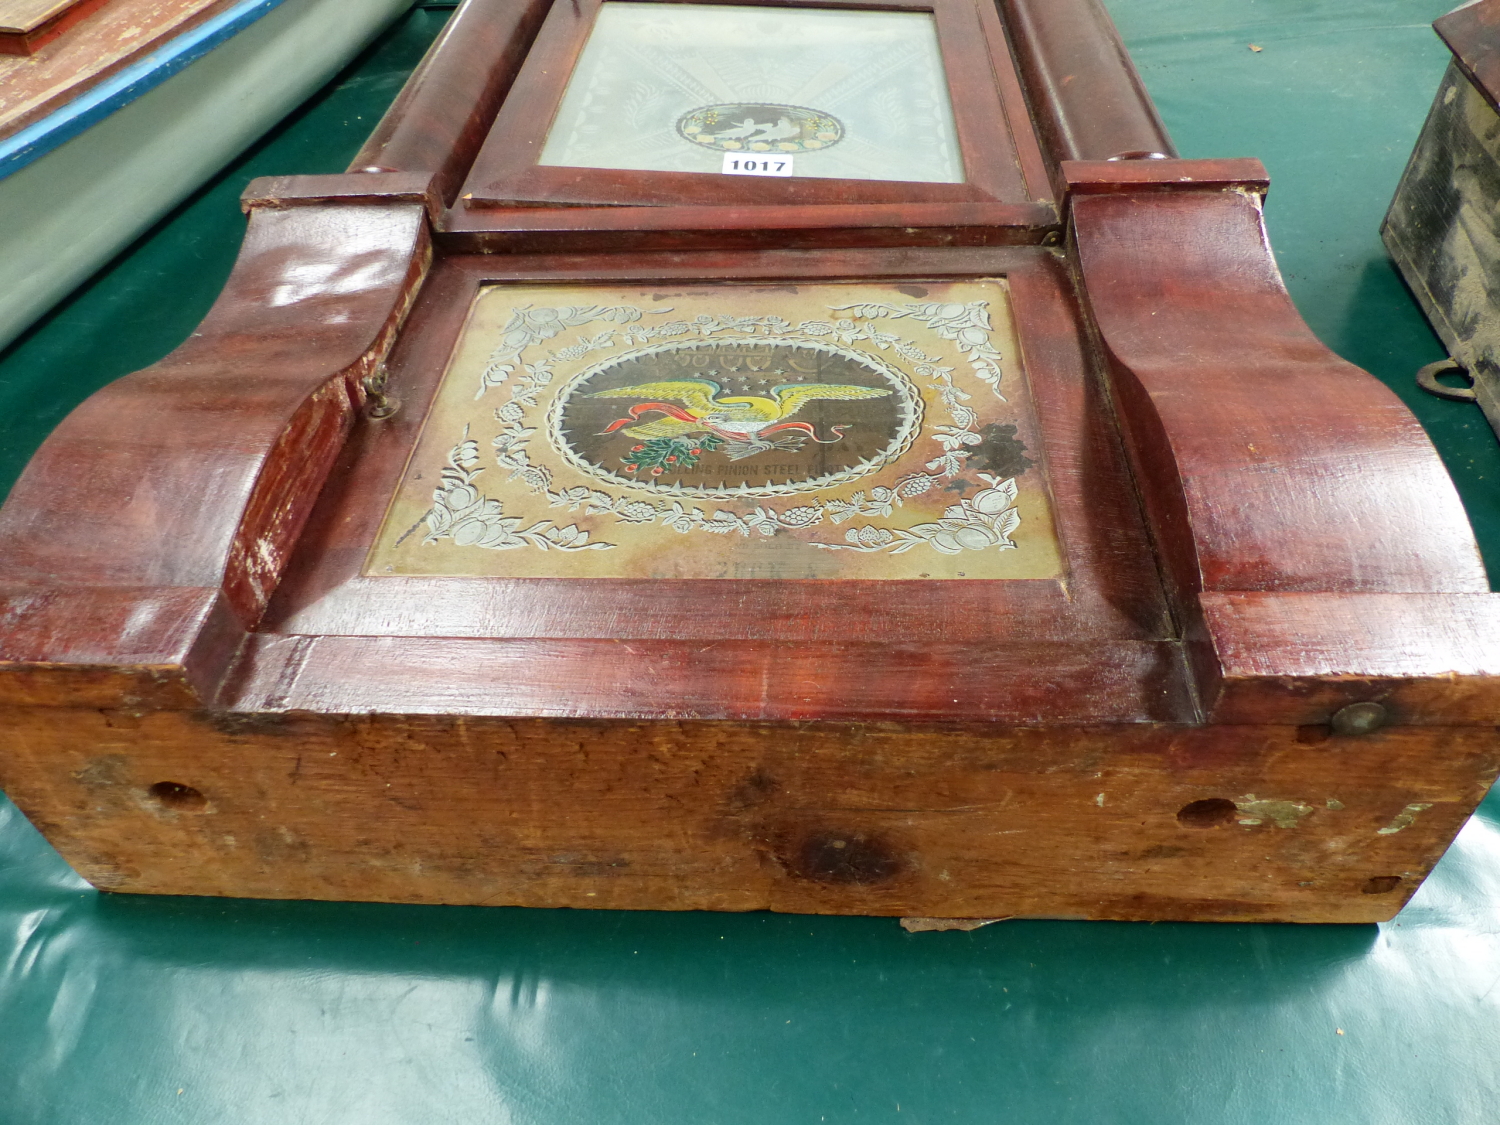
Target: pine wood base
<point>1235,823</point>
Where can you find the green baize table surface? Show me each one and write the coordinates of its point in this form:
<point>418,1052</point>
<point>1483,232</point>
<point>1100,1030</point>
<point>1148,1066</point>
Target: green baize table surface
<point>126,1009</point>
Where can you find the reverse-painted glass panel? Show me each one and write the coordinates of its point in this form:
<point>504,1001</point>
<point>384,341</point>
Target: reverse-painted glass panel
<point>844,430</point>
<point>835,94</point>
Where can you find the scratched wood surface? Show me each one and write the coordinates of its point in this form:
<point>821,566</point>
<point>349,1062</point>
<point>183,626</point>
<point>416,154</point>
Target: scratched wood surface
<point>27,15</point>
<point>43,74</point>
<point>26,26</point>
<point>1427,658</point>
<point>248,415</point>
<point>1146,822</point>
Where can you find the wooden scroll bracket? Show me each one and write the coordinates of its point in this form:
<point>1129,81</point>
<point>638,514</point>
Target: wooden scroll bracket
<point>146,534</point>
<point>1316,553</point>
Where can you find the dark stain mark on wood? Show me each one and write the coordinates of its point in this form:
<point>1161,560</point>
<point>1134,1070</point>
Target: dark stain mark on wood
<point>755,790</point>
<point>244,722</point>
<point>843,858</point>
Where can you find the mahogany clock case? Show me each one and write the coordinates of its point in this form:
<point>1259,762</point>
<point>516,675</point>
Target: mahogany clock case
<point>1000,162</point>
<point>332,587</point>
<point>514,532</point>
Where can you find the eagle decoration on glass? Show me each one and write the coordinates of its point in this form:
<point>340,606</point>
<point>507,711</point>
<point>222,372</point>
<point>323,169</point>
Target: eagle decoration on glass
<point>737,425</point>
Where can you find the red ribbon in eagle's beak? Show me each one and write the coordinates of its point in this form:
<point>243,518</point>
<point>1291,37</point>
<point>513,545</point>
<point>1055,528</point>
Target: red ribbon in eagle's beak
<point>641,408</point>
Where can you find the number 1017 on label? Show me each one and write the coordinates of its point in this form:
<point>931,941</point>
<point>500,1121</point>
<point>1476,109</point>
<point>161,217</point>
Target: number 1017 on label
<point>750,164</point>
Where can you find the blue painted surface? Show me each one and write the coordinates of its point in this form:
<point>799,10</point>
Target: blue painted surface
<point>119,90</point>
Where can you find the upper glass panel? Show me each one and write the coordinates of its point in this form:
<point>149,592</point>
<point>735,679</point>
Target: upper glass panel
<point>855,95</point>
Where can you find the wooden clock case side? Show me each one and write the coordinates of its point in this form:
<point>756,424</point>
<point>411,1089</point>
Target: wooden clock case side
<point>1313,550</point>
<point>1301,585</point>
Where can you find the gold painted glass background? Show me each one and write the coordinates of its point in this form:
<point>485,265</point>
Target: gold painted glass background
<point>673,87</point>
<point>817,431</point>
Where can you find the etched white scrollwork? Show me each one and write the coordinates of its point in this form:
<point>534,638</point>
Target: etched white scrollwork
<point>983,521</point>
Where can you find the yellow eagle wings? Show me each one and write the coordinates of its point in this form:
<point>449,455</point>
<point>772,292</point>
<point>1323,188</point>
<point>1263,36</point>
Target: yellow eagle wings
<point>700,398</point>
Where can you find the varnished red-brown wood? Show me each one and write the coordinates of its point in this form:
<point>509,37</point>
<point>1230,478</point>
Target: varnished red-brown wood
<point>750,227</point>
<point>506,171</point>
<point>1115,177</point>
<point>374,188</point>
<point>1471,33</point>
<point>436,124</point>
<point>1299,657</point>
<point>544,185</point>
<point>113,646</point>
<point>892,680</point>
<point>199,471</point>
<point>1266,461</point>
<point>1111,590</point>
<point>1019,119</point>
<point>1087,99</point>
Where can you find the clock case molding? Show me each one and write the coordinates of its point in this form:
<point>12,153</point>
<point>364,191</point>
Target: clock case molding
<point>204,696</point>
<point>984,90</point>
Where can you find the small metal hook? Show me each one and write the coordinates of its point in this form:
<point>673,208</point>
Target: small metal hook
<point>378,404</point>
<point>1427,380</point>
